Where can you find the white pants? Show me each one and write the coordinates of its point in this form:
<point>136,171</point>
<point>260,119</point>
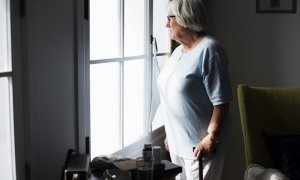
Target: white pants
<point>190,168</point>
<point>212,166</point>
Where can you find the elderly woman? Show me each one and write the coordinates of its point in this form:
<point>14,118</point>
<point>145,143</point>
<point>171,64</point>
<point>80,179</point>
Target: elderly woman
<point>195,92</point>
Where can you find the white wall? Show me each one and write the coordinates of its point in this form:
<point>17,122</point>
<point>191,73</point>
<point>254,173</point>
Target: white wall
<point>264,50</point>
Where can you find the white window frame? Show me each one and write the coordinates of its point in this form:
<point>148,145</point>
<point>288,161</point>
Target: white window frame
<point>122,59</point>
<point>83,65</point>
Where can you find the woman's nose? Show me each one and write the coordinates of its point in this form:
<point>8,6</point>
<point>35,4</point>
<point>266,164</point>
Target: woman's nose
<point>168,24</point>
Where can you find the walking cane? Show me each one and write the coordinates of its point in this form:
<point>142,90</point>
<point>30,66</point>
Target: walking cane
<point>200,166</point>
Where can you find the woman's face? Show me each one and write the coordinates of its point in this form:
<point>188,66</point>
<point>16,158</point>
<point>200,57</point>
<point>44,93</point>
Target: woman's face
<point>175,29</point>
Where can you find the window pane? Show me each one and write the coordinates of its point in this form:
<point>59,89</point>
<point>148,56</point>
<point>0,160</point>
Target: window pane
<point>5,64</point>
<point>104,29</point>
<point>134,29</point>
<point>159,25</point>
<point>134,97</point>
<point>157,120</point>
<point>161,60</point>
<point>105,107</point>
<point>6,131</point>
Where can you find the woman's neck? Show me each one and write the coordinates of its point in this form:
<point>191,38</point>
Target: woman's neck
<point>190,41</point>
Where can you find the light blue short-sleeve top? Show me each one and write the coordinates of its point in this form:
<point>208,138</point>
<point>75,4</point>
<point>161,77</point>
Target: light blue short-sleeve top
<point>189,85</point>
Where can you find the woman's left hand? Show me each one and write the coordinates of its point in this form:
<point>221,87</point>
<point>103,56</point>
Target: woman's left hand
<point>206,146</point>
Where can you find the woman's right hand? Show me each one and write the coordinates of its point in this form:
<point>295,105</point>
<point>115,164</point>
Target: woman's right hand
<point>166,144</point>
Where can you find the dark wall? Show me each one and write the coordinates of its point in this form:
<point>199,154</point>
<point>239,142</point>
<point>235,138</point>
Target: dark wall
<point>263,50</point>
<point>48,60</point>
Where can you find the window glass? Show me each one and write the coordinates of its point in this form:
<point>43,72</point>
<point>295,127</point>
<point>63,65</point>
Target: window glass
<point>157,120</point>
<point>104,29</point>
<point>161,60</point>
<point>159,25</point>
<point>5,64</point>
<point>105,106</point>
<point>7,153</point>
<point>6,131</point>
<point>134,98</point>
<point>134,27</point>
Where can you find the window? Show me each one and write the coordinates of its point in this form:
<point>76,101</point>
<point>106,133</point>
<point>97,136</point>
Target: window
<point>121,69</point>
<point>7,154</point>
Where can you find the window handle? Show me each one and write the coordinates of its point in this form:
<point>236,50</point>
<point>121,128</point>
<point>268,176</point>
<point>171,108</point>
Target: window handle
<point>154,42</point>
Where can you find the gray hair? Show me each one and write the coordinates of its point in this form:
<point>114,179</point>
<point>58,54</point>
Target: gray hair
<point>190,14</point>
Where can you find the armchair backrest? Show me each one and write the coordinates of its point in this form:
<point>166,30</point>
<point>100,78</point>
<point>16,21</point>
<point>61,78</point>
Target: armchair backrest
<point>274,111</point>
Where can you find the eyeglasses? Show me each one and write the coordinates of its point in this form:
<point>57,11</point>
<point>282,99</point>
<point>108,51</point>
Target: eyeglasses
<point>170,16</point>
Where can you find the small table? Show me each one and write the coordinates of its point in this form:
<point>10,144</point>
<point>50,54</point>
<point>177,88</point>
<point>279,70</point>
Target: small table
<point>169,172</point>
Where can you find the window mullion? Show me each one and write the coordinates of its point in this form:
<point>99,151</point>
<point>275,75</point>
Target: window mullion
<point>121,120</point>
<point>5,74</point>
<point>121,63</point>
<point>148,64</point>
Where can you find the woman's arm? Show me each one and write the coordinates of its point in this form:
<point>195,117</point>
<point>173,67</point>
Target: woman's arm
<point>210,141</point>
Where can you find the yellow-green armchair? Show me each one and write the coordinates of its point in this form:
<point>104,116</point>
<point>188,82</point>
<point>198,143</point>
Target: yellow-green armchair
<point>267,112</point>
